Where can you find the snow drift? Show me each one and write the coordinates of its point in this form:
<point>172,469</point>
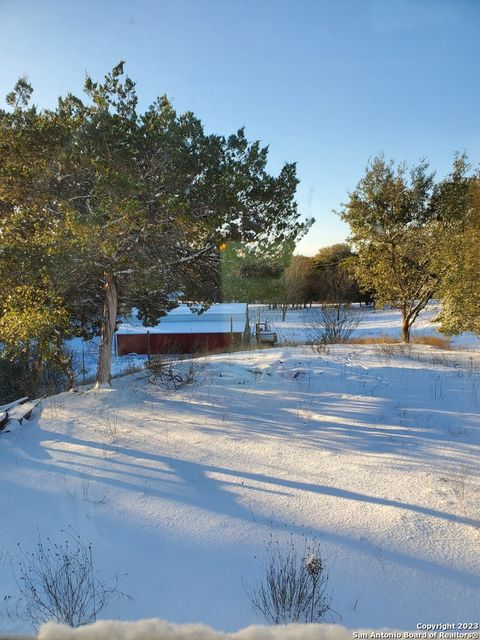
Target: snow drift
<point>161,630</point>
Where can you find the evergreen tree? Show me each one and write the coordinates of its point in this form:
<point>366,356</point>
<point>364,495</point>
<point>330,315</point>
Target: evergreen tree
<point>33,262</point>
<point>131,207</point>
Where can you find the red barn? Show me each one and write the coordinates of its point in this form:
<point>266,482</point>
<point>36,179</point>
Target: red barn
<point>182,331</point>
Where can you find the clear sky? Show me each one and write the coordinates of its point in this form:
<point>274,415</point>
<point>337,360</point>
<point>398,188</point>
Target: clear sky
<point>325,83</point>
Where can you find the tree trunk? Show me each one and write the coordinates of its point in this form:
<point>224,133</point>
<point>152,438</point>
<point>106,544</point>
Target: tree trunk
<point>406,327</point>
<point>104,370</point>
<point>247,333</point>
<point>284,311</point>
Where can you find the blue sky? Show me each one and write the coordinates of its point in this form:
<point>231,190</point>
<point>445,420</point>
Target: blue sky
<point>327,84</point>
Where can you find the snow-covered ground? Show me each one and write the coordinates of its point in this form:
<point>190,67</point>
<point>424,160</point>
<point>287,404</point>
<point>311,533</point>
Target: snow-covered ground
<point>298,328</point>
<point>300,325</point>
<point>161,630</point>
<point>372,450</point>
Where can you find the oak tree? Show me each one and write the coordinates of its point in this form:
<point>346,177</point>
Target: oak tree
<point>394,230</point>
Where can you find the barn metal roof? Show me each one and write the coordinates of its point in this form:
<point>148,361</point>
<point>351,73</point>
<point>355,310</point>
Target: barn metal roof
<point>219,318</point>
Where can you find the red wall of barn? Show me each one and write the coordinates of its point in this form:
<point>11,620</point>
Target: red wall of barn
<point>174,343</point>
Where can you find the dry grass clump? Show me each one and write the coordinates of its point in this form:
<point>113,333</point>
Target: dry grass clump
<point>381,339</point>
<point>432,341</point>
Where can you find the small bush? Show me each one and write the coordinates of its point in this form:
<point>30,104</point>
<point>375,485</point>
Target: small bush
<point>13,380</point>
<point>58,582</point>
<point>58,375</point>
<point>29,374</point>
<point>293,587</point>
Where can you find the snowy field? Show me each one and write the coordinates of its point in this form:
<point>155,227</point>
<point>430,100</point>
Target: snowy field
<point>298,328</point>
<point>371,450</point>
<point>299,325</point>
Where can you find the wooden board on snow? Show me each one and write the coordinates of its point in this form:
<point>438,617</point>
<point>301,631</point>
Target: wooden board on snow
<point>24,410</point>
<point>10,405</point>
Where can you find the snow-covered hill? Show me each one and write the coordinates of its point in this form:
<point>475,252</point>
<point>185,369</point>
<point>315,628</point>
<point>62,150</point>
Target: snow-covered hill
<point>371,450</point>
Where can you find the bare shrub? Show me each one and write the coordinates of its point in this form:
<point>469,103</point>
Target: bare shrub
<point>58,375</point>
<point>332,325</point>
<point>108,424</point>
<point>59,582</point>
<point>293,587</point>
<point>396,348</point>
<point>83,492</point>
<point>388,351</point>
<point>173,375</point>
<point>130,370</point>
<point>457,431</point>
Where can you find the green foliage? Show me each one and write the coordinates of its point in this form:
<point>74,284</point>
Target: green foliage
<point>31,316</point>
<point>14,379</point>
<point>21,94</point>
<point>460,289</point>
<point>30,374</point>
<point>33,360</point>
<point>104,206</point>
<point>395,231</point>
<point>300,281</point>
<point>335,275</point>
<point>252,272</point>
